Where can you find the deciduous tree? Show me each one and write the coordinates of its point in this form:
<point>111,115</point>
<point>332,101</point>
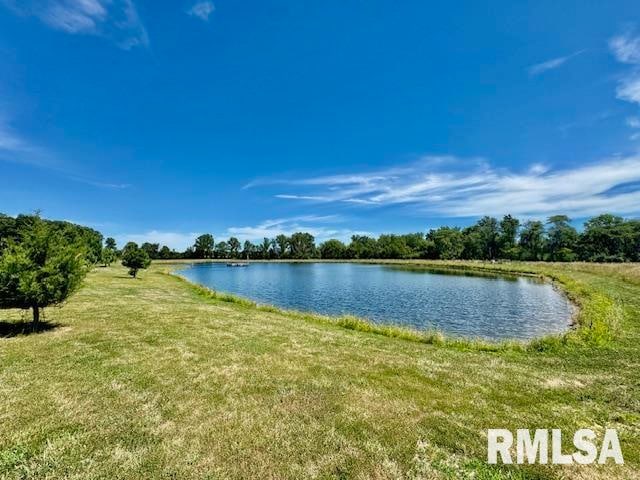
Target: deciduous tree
<point>302,245</point>
<point>282,245</point>
<point>265,248</point>
<point>110,242</point>
<point>152,249</point>
<point>108,256</point>
<point>562,239</point>
<point>333,249</point>
<point>204,246</point>
<point>362,246</point>
<point>532,241</point>
<point>221,250</point>
<point>248,249</point>
<point>508,237</point>
<point>448,243</point>
<point>234,247</point>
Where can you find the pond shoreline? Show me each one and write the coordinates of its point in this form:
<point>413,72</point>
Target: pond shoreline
<point>430,336</point>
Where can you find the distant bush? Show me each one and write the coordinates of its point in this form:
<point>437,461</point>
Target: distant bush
<point>134,258</point>
<point>108,256</point>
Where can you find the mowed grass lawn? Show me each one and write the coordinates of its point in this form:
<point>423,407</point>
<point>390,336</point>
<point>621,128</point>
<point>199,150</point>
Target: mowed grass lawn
<point>149,378</point>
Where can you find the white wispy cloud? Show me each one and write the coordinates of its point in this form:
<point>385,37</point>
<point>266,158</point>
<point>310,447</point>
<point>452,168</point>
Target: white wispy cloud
<point>481,189</point>
<point>629,88</point>
<point>322,227</point>
<point>202,10</point>
<point>633,122</point>
<point>80,16</point>
<point>116,20</point>
<point>98,184</point>
<point>552,64</point>
<point>586,121</point>
<point>17,148</point>
<point>626,48</point>
<point>9,140</point>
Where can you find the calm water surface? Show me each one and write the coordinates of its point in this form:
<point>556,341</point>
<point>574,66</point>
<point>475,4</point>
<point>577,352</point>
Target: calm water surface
<point>461,305</point>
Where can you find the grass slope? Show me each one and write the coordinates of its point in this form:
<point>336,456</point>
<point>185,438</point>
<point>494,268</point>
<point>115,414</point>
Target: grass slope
<point>156,378</point>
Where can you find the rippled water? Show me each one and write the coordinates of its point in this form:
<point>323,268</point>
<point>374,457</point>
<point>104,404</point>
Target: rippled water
<point>463,305</point>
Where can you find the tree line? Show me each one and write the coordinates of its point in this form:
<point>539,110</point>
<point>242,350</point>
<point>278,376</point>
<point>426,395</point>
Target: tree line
<point>43,261</point>
<point>604,238</point>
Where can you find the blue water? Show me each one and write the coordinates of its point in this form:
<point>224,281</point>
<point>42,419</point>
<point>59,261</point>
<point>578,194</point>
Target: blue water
<point>460,305</point>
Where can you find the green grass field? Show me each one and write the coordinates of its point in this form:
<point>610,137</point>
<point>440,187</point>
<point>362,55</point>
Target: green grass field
<point>156,378</point>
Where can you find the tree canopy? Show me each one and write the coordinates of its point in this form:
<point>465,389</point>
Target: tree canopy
<point>134,258</point>
<point>333,249</point>
<point>42,263</point>
<point>446,243</point>
<point>204,246</point>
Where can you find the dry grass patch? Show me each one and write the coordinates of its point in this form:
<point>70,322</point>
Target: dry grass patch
<point>153,378</point>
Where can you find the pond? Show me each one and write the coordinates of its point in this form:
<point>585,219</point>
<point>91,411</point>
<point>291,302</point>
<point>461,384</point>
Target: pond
<point>466,305</point>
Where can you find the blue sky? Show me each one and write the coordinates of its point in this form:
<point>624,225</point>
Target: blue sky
<point>160,120</point>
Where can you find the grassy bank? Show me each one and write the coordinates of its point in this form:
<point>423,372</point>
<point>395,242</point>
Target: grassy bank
<point>595,321</point>
<point>156,378</point>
